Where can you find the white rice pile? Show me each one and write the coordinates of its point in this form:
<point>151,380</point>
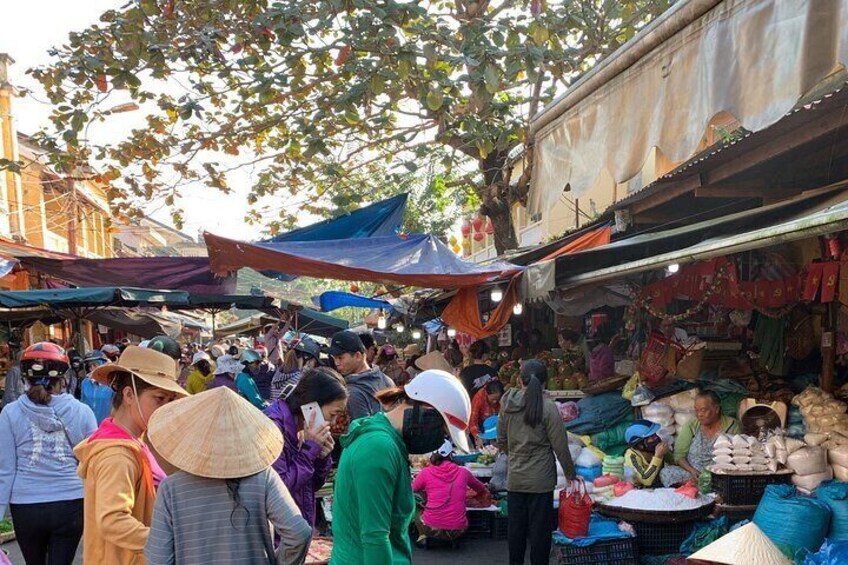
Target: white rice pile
<point>660,499</point>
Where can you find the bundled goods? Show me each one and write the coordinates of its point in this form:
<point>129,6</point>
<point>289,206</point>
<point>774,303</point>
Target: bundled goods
<point>613,466</point>
<point>835,495</point>
<point>664,415</point>
<point>743,454</point>
<point>836,445</point>
<point>795,426</point>
<point>587,465</point>
<point>792,521</point>
<point>622,487</point>
<point>810,466</point>
<point>821,411</point>
<point>611,441</point>
<point>606,481</point>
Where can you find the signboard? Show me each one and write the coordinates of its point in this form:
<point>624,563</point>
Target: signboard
<point>505,336</point>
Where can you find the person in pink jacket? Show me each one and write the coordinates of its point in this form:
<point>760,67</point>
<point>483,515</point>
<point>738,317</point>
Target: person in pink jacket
<point>445,485</point>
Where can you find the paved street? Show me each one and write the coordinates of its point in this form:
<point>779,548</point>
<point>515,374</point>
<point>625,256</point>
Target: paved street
<point>469,552</point>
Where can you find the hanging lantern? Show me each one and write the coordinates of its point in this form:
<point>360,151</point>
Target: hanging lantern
<point>456,249</point>
<point>354,288</point>
<point>477,222</point>
<point>381,321</point>
<point>466,228</point>
<point>416,334</point>
<point>478,236</point>
<point>400,328</point>
<point>451,333</point>
<point>490,227</point>
<point>518,309</point>
<point>497,294</point>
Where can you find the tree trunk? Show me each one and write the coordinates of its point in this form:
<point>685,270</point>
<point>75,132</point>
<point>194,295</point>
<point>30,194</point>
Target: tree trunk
<point>499,211</point>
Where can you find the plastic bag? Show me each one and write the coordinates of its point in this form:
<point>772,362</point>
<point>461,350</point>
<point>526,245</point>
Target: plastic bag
<point>792,521</point>
<point>831,553</point>
<point>499,472</point>
<point>575,510</point>
<point>587,459</point>
<point>630,388</point>
<point>642,396</point>
<point>605,481</point>
<point>835,495</point>
<point>689,489</point>
<point>621,488</point>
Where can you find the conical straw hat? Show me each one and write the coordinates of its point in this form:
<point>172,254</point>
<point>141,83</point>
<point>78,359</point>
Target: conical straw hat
<point>215,434</point>
<point>747,545</point>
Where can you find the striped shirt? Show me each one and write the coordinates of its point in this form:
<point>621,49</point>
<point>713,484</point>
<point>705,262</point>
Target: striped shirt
<point>196,521</point>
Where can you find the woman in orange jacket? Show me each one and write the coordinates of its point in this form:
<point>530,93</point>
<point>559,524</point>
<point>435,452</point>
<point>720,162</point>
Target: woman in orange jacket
<point>119,472</point>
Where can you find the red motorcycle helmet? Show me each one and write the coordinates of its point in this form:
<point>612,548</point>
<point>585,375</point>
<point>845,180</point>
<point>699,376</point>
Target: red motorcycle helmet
<point>44,359</point>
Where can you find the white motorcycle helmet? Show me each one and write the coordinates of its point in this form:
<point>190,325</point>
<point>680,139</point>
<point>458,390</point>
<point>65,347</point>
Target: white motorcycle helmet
<point>448,396</point>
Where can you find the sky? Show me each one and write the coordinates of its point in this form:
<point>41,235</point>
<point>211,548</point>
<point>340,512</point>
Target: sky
<point>29,29</point>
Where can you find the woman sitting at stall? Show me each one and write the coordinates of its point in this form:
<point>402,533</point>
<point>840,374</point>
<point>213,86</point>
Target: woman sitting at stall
<point>487,402</point>
<point>646,452</point>
<point>693,449</point>
<point>445,485</point>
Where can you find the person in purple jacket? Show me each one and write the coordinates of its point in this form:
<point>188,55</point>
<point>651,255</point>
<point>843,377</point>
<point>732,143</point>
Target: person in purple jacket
<point>305,460</point>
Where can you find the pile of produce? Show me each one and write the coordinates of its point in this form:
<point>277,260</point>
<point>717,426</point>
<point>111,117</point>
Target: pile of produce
<point>821,411</point>
<point>488,455</point>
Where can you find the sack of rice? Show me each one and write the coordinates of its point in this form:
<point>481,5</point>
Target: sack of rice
<point>835,495</point>
<point>838,455</point>
<point>808,461</point>
<point>840,473</point>
<point>792,521</point>
<point>815,439</point>
<point>809,483</point>
<point>657,411</point>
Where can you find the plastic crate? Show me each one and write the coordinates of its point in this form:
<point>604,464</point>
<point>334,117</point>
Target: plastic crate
<point>744,490</point>
<point>500,527</point>
<point>479,524</point>
<point>606,552</point>
<point>661,539</point>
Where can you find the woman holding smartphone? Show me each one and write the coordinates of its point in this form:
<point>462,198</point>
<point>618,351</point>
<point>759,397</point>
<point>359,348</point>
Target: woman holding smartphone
<point>305,417</point>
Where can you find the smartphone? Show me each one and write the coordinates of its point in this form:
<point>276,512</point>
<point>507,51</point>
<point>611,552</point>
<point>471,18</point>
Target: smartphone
<point>310,409</point>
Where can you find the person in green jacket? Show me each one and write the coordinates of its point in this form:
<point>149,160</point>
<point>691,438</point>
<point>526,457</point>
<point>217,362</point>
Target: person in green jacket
<point>531,433</point>
<point>373,504</point>
<point>693,448</point>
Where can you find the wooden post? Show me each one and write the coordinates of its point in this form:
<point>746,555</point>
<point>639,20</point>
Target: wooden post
<point>828,348</point>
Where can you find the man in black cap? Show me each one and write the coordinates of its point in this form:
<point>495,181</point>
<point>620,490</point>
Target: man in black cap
<point>348,354</point>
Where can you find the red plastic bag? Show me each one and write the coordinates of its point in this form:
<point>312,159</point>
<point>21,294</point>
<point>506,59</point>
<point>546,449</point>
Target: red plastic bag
<point>622,488</point>
<point>654,364</point>
<point>605,481</point>
<point>575,509</point>
<point>689,489</point>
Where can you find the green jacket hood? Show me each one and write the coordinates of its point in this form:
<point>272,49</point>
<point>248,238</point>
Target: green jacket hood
<point>378,423</point>
<point>513,401</point>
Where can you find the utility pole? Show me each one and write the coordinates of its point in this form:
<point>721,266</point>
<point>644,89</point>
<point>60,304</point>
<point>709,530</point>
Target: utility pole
<point>73,210</point>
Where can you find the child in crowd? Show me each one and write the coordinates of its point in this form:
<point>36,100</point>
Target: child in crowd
<point>646,452</point>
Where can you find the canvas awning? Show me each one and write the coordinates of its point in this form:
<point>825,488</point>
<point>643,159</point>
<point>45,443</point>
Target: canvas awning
<point>307,321</point>
<point>91,297</point>
<point>833,218</point>
<point>414,260</point>
<point>190,274</point>
<point>754,59</point>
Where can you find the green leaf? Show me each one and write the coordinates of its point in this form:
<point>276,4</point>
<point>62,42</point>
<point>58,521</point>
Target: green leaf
<point>490,76</point>
<point>435,99</point>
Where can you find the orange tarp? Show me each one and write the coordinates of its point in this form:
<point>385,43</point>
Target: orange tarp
<point>463,312</point>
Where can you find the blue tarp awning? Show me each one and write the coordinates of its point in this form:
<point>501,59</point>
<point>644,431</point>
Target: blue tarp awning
<point>383,218</point>
<point>414,260</point>
<point>334,299</point>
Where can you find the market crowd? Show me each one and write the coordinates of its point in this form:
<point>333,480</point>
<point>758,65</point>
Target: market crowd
<point>142,451</point>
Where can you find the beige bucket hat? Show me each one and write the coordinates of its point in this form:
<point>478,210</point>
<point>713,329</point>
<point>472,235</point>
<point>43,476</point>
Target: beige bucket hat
<point>215,434</point>
<point>433,360</point>
<point>151,366</point>
<point>744,546</point>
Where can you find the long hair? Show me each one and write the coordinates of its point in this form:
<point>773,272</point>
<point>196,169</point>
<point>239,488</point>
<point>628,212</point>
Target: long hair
<point>233,490</point>
<point>534,374</point>
<point>40,394</point>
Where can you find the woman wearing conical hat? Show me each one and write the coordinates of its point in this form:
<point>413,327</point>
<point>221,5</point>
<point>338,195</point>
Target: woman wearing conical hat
<point>220,506</point>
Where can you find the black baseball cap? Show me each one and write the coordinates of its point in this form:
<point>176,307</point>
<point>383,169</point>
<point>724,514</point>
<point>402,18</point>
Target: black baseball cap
<point>345,341</point>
